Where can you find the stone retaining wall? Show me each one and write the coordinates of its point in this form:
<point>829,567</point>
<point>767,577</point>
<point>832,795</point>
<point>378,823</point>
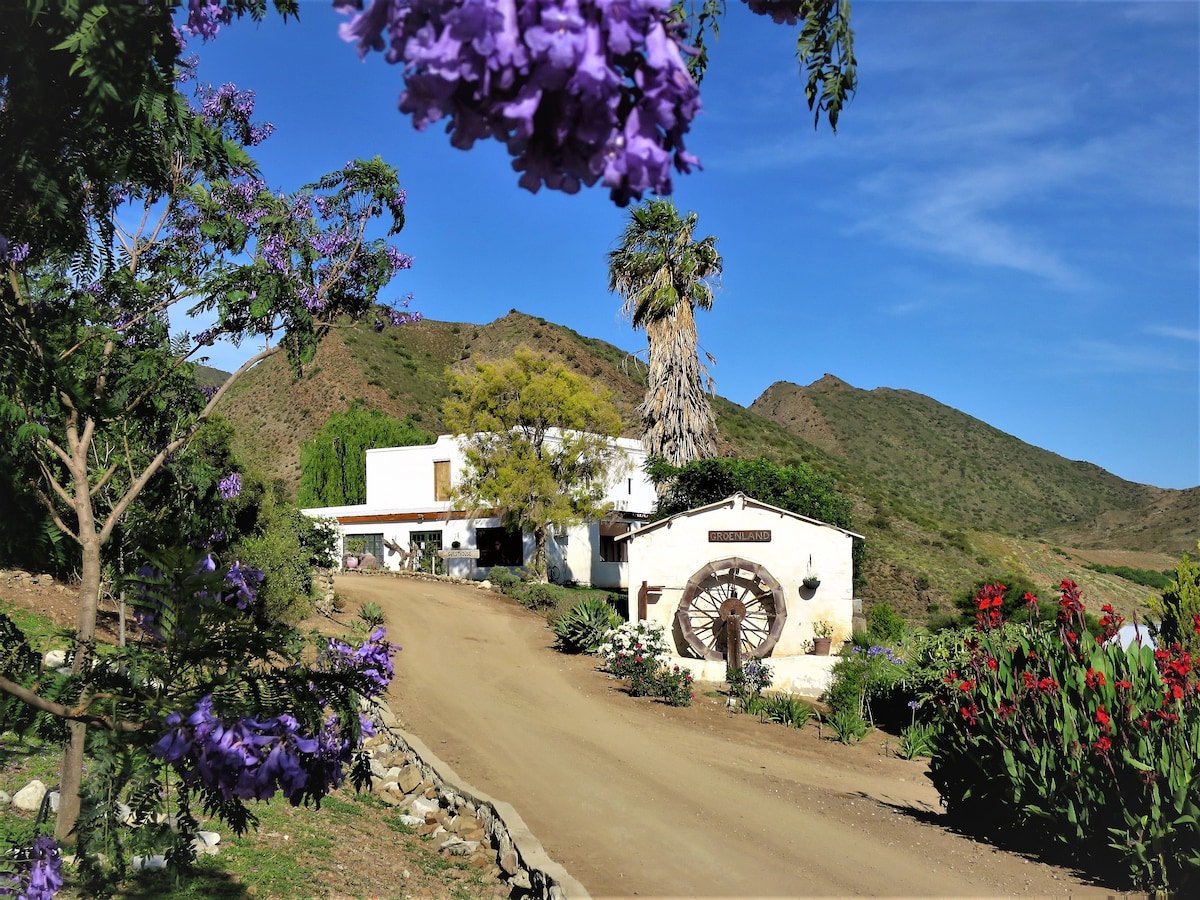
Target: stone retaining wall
<point>518,854</point>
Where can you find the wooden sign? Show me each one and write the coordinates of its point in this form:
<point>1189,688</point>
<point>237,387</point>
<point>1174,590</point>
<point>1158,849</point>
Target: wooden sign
<point>459,553</point>
<point>737,537</point>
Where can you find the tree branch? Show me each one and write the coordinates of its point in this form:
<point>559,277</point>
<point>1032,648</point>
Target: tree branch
<point>78,714</point>
<point>59,523</point>
<point>155,464</point>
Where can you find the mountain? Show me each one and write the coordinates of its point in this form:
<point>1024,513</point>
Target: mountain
<point>943,499</point>
<point>922,455</point>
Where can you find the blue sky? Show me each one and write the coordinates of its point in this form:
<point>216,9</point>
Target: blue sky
<point>1006,221</point>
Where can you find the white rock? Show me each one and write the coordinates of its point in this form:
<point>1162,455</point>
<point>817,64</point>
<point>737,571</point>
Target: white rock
<point>29,798</point>
<point>422,805</point>
<point>5,799</point>
<point>55,659</point>
<point>412,821</point>
<point>149,863</point>
<point>456,846</point>
<point>205,843</point>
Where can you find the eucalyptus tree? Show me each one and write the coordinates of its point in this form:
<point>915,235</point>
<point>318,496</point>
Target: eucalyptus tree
<point>537,444</point>
<point>101,392</point>
<point>664,275</point>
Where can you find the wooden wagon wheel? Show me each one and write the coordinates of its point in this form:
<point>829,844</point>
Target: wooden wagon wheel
<point>731,589</point>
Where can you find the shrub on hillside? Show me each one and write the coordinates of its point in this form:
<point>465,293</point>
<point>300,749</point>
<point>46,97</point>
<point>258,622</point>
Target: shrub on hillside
<point>1054,725</point>
<point>884,624</point>
<point>1179,606</point>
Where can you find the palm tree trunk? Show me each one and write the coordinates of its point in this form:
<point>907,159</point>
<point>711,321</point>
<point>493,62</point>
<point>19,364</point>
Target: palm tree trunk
<point>677,419</point>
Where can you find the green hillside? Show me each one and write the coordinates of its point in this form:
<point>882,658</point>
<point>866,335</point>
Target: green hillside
<point>942,499</point>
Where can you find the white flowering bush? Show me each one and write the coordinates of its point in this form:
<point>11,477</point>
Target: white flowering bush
<point>638,652</point>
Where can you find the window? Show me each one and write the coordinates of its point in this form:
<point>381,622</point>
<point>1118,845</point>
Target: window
<point>441,479</point>
<point>362,544</point>
<point>499,547</point>
<point>612,550</point>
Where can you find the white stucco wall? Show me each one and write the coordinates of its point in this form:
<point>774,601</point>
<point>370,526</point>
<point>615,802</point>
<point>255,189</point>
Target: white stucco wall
<point>402,477</point>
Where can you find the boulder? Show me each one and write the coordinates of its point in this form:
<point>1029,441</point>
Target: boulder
<point>422,805</point>
<point>409,779</point>
<point>29,798</point>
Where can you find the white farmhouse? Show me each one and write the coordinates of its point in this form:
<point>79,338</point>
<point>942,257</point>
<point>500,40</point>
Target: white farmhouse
<point>409,507</point>
<point>784,577</point>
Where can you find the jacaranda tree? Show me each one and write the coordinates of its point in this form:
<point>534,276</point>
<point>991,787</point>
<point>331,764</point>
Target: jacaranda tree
<point>213,705</point>
<point>104,394</point>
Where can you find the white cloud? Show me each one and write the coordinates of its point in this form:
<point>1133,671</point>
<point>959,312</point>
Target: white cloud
<point>1170,331</point>
<point>1123,357</point>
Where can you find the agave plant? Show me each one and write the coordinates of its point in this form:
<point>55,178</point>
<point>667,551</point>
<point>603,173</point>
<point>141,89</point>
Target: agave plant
<point>584,627</point>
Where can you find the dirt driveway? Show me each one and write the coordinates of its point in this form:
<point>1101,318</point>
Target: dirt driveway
<point>637,798</point>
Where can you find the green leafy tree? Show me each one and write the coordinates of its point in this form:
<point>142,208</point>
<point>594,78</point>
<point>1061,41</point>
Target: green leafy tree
<point>537,444</point>
<point>1179,608</point>
<point>333,465</point>
<point>796,487</point>
<point>664,275</point>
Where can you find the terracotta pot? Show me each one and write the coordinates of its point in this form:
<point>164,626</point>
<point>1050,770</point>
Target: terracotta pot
<point>821,646</point>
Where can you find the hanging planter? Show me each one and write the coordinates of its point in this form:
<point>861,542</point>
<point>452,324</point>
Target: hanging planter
<point>811,580</point>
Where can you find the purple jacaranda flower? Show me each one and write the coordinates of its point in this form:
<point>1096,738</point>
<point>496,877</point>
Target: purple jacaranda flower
<point>579,91</point>
<point>44,878</point>
<point>372,659</point>
<point>12,253</point>
<point>230,486</point>
<point>253,758</point>
<point>245,582</point>
<point>782,12</point>
<point>205,18</point>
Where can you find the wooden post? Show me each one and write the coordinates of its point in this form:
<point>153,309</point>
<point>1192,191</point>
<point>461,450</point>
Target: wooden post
<point>733,641</point>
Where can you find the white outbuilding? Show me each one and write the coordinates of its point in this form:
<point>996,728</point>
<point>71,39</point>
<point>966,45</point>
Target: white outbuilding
<point>779,581</point>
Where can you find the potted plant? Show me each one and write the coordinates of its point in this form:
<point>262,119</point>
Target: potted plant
<point>822,637</point>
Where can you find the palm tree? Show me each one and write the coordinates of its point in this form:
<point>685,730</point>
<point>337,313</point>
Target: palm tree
<point>664,275</point>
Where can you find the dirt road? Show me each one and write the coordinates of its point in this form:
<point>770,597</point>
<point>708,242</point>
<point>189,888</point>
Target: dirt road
<point>637,798</point>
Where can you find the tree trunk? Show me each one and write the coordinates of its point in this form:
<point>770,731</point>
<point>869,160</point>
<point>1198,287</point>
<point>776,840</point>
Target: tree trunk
<point>71,774</point>
<point>539,553</point>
